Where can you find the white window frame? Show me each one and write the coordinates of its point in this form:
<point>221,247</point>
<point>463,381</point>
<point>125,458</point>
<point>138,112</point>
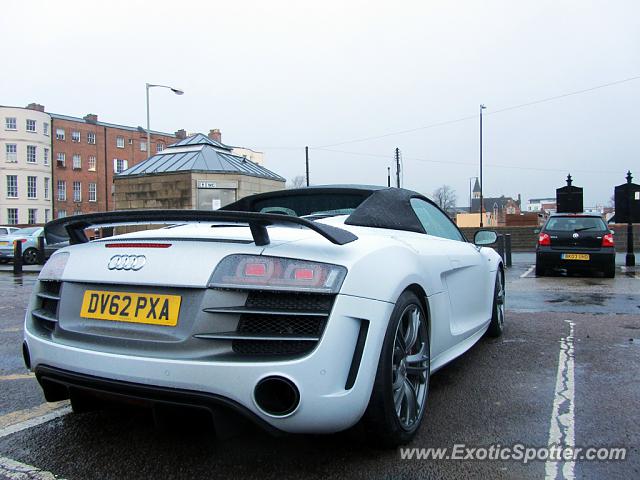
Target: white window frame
<point>91,138</point>
<point>32,158</point>
<point>11,221</point>
<point>32,187</point>
<point>116,165</point>
<point>11,156</point>
<point>77,192</point>
<point>93,192</point>
<point>75,136</point>
<point>61,159</point>
<point>47,213</point>
<point>46,156</point>
<point>159,147</point>
<point>32,219</point>
<point>77,161</point>
<point>62,213</point>
<point>10,123</point>
<point>30,121</point>
<point>45,128</point>
<point>143,145</point>
<point>12,186</point>
<point>120,142</point>
<point>92,162</point>
<point>62,190</point>
<point>60,134</point>
<point>46,188</point>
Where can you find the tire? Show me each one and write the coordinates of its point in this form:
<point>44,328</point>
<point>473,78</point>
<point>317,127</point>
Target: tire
<point>30,256</point>
<point>496,326</point>
<point>398,400</point>
<point>540,270</point>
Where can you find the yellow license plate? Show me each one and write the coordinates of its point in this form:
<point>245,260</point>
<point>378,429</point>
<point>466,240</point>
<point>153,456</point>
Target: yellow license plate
<point>131,307</point>
<point>575,256</point>
<point>4,243</point>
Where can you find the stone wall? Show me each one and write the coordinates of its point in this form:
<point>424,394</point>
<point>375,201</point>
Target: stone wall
<point>170,191</point>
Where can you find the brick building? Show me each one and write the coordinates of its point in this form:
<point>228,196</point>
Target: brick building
<point>85,155</point>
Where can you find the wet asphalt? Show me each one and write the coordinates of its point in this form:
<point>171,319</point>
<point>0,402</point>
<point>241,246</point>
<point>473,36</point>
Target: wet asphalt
<point>499,392</point>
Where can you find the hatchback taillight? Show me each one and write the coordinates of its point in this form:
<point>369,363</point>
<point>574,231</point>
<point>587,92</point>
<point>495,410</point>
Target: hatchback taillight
<point>544,239</point>
<point>607,240</point>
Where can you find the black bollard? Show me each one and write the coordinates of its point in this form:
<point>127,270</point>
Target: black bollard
<point>508,261</point>
<point>41,252</point>
<point>17,257</point>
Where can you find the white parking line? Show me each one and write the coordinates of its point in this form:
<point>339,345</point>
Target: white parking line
<point>561,430</point>
<point>21,471</point>
<point>528,271</point>
<point>15,422</point>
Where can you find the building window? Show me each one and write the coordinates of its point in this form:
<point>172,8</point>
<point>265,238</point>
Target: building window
<point>31,187</point>
<point>77,192</point>
<point>12,216</point>
<point>75,136</point>
<point>46,188</point>
<point>33,215</point>
<point>62,190</point>
<point>46,156</point>
<point>159,147</point>
<point>77,161</point>
<point>31,125</point>
<point>47,214</point>
<point>61,159</point>
<point>91,138</point>
<point>12,186</point>
<point>10,123</point>
<point>62,213</point>
<point>143,146</point>
<point>45,128</point>
<point>31,154</point>
<point>12,152</point>
<point>120,142</point>
<point>92,192</point>
<point>120,166</point>
<point>59,133</point>
<point>77,212</point>
<point>92,163</point>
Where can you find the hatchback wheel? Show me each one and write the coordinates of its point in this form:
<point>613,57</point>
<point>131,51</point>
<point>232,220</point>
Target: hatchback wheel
<point>30,256</point>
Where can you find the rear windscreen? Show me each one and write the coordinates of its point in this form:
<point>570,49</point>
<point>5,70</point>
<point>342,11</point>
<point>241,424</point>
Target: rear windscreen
<point>573,224</point>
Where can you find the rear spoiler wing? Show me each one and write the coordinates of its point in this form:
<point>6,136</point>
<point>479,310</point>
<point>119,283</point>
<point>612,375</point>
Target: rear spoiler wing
<point>73,228</point>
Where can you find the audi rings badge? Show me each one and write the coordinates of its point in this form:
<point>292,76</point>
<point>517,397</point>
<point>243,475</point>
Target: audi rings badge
<point>127,262</point>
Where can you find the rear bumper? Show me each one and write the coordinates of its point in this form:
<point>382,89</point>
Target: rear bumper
<point>598,259</point>
<point>328,403</point>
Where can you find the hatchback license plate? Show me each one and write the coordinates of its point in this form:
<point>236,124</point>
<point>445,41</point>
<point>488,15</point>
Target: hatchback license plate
<point>575,256</point>
<point>147,308</point>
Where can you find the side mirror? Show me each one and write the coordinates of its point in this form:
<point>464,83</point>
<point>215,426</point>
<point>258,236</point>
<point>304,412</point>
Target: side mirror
<point>485,237</point>
<point>612,232</point>
<point>536,231</point>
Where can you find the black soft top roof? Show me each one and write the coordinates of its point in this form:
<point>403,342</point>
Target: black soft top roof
<point>379,207</point>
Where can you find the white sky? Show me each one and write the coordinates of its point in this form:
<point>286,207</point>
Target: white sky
<point>279,75</point>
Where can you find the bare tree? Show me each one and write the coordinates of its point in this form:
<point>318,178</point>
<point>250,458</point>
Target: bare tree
<point>445,198</point>
<point>297,182</point>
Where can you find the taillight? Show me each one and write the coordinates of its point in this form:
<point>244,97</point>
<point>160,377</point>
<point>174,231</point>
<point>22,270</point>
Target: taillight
<point>274,273</point>
<point>544,240</point>
<point>607,240</point>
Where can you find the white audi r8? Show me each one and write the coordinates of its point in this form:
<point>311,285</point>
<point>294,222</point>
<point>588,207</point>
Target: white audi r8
<point>306,310</point>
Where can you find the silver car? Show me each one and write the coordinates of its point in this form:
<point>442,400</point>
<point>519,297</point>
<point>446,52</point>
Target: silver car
<point>29,238</point>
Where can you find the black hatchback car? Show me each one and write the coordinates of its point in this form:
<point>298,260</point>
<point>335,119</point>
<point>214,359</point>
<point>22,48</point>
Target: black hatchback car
<point>576,242</point>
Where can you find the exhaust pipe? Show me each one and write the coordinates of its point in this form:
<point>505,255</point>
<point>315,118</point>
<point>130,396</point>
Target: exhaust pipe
<point>276,396</point>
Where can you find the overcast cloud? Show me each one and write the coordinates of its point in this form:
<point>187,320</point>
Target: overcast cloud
<point>279,75</point>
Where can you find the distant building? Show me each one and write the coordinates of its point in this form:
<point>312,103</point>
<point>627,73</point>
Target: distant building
<point>248,153</point>
<point>25,169</point>
<point>542,205</point>
<point>495,209</point>
<point>86,155</point>
<point>198,172</point>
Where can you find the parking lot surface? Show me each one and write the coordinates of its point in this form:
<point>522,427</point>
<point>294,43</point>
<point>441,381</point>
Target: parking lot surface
<point>566,370</point>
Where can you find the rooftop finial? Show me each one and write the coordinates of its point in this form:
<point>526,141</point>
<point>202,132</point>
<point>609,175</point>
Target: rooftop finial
<point>569,180</point>
<point>629,177</point>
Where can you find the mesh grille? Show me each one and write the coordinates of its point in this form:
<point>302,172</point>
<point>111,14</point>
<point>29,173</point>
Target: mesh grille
<point>272,347</point>
<point>281,325</point>
<point>48,306</point>
<point>290,301</point>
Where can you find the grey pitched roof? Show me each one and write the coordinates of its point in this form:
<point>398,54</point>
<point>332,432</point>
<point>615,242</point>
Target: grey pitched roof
<point>199,153</point>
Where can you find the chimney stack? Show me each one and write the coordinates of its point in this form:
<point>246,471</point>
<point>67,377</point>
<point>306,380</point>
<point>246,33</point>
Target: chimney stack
<point>36,106</point>
<point>181,134</point>
<point>91,118</point>
<point>215,135</point>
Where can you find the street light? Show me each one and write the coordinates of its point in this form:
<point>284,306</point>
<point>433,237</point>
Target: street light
<point>482,107</point>
<point>177,91</point>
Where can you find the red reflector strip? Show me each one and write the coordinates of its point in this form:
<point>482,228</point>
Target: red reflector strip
<point>137,245</point>
<point>303,274</point>
<point>255,269</point>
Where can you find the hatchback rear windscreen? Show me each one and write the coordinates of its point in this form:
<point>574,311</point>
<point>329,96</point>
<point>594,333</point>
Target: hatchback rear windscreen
<point>575,224</point>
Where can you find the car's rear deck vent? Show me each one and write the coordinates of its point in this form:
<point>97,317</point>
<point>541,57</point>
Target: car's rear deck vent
<point>45,312</point>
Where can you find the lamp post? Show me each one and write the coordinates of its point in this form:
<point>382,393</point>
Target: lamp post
<point>177,91</point>
<point>482,107</point>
